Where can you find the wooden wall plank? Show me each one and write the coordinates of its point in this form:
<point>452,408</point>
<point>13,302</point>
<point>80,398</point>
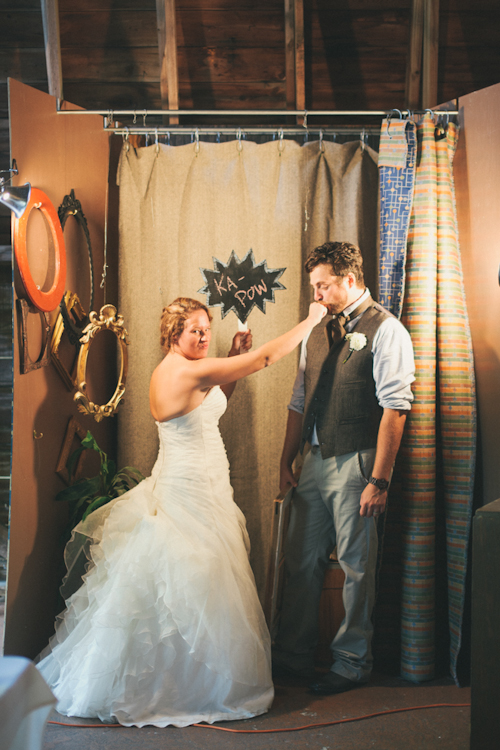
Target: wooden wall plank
<point>197,64</point>
<point>28,66</point>
<point>132,29</point>
<point>138,28</point>
<point>21,29</point>
<point>135,95</point>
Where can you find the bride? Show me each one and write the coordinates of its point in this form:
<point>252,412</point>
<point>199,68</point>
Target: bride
<point>167,627</point>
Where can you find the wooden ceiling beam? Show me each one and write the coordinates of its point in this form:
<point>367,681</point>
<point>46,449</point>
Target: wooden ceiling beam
<point>167,47</point>
<point>52,40</point>
<point>414,63</point>
<point>294,54</point>
<point>430,54</point>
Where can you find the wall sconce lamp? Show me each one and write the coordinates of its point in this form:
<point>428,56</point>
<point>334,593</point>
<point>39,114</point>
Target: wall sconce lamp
<point>15,198</point>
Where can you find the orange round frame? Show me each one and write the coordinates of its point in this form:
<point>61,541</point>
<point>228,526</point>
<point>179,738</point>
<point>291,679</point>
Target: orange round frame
<point>45,301</point>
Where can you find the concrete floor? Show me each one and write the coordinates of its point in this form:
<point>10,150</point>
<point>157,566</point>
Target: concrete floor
<point>443,728</point>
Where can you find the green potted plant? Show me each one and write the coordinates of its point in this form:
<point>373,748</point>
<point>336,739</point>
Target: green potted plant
<point>86,495</point>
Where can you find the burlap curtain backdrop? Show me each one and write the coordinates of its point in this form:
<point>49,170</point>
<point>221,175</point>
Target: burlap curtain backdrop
<point>181,206</point>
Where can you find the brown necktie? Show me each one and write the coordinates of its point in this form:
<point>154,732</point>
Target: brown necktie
<point>335,329</point>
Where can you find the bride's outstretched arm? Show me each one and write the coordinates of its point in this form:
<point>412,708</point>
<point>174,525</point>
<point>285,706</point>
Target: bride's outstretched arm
<point>213,371</point>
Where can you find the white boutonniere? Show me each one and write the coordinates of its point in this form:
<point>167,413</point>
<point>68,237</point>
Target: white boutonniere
<point>357,341</point>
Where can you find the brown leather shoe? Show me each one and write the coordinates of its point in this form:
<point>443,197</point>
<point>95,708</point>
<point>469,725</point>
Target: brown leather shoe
<point>333,683</point>
<point>280,671</point>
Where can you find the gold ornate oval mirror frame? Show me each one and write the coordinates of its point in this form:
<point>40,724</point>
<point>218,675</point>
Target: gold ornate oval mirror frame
<point>107,320</point>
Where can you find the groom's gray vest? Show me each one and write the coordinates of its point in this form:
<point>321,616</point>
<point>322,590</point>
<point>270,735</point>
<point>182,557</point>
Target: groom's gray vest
<point>340,390</point>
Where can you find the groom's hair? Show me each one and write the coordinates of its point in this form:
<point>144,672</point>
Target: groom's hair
<point>173,318</point>
<point>342,257</point>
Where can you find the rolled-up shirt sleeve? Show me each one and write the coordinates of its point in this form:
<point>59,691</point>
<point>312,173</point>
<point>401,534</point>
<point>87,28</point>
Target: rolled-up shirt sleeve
<point>393,365</point>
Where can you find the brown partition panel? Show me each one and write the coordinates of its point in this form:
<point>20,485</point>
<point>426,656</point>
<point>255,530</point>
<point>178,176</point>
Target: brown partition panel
<point>477,179</point>
<point>56,153</point>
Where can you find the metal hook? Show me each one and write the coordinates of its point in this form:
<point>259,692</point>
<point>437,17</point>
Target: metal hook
<point>145,114</point>
<point>321,149</point>
<point>37,435</point>
<point>125,137</point>
<point>389,115</point>
<point>432,114</point>
<point>304,124</point>
<point>157,149</point>
<point>110,119</point>
<point>280,142</point>
<point>135,118</point>
<point>447,119</point>
<point>238,138</point>
<point>197,142</point>
<point>363,136</point>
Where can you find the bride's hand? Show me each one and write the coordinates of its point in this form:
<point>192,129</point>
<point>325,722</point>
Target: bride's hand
<point>316,313</point>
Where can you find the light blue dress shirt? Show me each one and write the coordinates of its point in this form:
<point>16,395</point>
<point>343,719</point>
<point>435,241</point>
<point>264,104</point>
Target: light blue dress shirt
<point>393,365</point>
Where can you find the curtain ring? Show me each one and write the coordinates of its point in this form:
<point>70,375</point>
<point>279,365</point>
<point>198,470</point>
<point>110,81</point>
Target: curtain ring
<point>238,138</point>
<point>280,142</point>
<point>389,115</point>
<point>321,147</point>
<point>135,118</point>
<point>197,142</point>
<point>145,114</point>
<point>125,137</point>
<point>445,127</point>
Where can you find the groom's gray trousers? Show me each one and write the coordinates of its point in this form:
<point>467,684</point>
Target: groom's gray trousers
<point>325,513</point>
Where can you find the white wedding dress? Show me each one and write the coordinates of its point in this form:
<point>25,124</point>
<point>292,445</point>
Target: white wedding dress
<point>167,627</point>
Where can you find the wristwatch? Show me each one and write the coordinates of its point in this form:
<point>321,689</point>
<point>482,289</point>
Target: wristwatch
<point>381,484</point>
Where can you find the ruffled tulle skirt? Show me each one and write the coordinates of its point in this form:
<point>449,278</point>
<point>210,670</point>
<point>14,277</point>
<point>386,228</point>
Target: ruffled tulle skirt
<point>167,627</point>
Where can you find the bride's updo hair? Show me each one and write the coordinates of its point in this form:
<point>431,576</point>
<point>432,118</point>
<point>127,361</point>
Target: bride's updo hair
<point>173,318</point>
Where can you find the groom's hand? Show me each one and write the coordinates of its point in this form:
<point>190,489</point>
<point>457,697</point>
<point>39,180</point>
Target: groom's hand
<point>286,478</point>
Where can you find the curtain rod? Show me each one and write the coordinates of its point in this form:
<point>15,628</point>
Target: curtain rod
<point>241,132</point>
<point>110,113</point>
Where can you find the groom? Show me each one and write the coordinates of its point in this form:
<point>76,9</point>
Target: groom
<point>349,405</point>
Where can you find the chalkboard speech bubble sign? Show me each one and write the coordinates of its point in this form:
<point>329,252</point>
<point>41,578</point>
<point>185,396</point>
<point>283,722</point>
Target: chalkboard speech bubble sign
<point>240,285</point>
